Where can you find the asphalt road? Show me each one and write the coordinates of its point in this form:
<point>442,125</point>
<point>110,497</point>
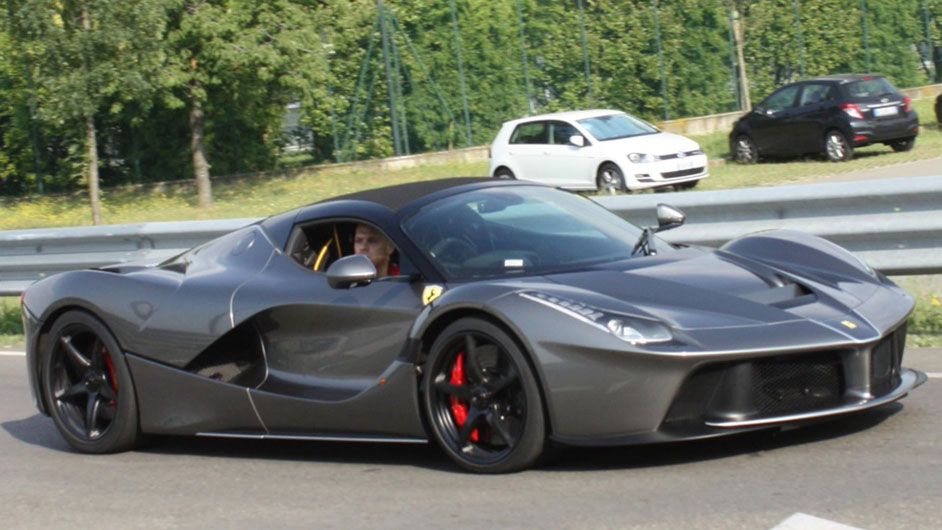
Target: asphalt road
<point>876,470</point>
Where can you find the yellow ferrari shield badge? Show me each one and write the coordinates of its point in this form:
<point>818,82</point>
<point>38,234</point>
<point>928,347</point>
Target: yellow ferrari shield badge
<point>430,293</point>
<point>849,324</point>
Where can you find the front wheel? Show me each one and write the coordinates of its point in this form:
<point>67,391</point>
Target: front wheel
<point>837,148</point>
<point>87,386</point>
<point>903,145</point>
<point>482,400</point>
<point>610,179</point>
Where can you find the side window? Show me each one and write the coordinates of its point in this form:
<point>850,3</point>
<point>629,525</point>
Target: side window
<point>561,131</point>
<point>315,245</point>
<point>814,93</point>
<point>530,133</point>
<point>781,100</point>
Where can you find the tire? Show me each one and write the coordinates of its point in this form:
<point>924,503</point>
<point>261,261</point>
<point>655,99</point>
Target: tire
<point>610,179</point>
<point>746,151</point>
<point>836,147</point>
<point>686,185</point>
<point>482,400</point>
<point>87,386</point>
<point>504,173</point>
<point>903,145</point>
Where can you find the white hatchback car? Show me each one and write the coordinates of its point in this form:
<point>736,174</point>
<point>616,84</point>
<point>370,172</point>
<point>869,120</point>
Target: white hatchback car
<point>607,150</point>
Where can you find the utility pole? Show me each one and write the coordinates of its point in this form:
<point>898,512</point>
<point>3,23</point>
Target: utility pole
<point>464,93</point>
<point>660,62</point>
<point>744,101</point>
<point>801,45</point>
<point>381,13</point>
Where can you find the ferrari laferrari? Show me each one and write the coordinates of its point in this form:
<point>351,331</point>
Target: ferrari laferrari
<point>510,316</point>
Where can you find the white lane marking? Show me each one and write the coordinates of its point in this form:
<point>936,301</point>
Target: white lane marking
<point>934,375</point>
<point>803,521</point>
<point>12,353</point>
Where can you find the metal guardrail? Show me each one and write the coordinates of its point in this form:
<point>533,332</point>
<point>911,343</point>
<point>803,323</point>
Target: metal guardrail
<point>894,224</point>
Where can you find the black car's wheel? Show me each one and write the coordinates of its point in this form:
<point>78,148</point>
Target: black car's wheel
<point>746,150</point>
<point>504,173</point>
<point>482,400</point>
<point>610,179</point>
<point>903,145</point>
<point>87,386</point>
<point>836,147</point>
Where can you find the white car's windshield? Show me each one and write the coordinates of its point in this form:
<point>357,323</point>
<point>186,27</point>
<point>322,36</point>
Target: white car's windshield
<point>615,126</point>
<point>518,230</point>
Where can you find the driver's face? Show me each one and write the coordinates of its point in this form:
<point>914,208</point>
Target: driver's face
<point>368,241</point>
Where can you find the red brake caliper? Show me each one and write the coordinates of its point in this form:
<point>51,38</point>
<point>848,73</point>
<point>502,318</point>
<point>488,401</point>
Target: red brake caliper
<point>458,407</point>
<point>111,375</point>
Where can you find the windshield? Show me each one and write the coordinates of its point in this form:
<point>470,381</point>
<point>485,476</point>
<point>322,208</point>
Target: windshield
<point>519,230</point>
<point>615,126</point>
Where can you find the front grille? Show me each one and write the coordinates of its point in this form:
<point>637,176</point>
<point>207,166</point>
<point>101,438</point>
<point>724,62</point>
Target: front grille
<point>760,388</point>
<point>682,173</point>
<point>677,155</point>
<point>885,360</point>
<point>789,385</point>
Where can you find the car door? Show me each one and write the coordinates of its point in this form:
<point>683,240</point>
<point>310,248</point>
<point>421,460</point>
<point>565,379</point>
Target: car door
<point>527,149</point>
<point>564,163</point>
<point>332,354</point>
<point>770,121</point>
<point>809,118</point>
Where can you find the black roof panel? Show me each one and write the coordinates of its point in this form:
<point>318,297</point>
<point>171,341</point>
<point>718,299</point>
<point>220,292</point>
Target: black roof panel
<point>397,196</point>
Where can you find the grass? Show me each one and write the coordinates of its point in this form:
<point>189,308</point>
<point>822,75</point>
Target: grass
<point>11,327</point>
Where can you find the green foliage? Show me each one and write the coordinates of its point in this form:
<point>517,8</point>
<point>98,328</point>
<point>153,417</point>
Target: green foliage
<point>10,322</point>
<point>140,71</point>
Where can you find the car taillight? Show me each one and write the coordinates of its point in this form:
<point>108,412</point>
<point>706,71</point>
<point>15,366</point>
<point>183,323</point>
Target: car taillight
<point>905,104</point>
<point>852,110</point>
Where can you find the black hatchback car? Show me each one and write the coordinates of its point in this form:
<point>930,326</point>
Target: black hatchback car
<point>830,115</point>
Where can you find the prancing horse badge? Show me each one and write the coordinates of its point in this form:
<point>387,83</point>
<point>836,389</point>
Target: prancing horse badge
<point>430,293</point>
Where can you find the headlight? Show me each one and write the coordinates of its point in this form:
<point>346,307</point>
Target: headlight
<point>632,330</point>
<point>642,158</point>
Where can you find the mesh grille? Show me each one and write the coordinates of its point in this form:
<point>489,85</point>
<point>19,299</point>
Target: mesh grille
<point>885,361</point>
<point>790,385</point>
<point>682,173</point>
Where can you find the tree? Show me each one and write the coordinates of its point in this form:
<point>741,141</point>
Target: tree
<point>86,58</point>
<point>254,56</point>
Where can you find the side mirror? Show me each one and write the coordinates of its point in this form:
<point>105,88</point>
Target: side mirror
<point>577,140</point>
<point>350,270</point>
<point>669,217</point>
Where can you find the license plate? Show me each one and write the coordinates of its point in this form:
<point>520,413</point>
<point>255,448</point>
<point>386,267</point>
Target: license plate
<point>685,164</point>
<point>885,111</point>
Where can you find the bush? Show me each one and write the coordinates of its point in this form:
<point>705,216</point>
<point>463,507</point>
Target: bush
<point>10,323</point>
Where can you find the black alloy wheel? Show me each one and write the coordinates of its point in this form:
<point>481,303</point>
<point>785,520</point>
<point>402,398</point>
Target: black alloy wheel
<point>903,145</point>
<point>482,400</point>
<point>504,173</point>
<point>87,387</point>
<point>746,150</point>
<point>610,179</point>
<point>836,147</point>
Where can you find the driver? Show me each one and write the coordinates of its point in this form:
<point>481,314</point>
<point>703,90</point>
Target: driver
<point>371,242</point>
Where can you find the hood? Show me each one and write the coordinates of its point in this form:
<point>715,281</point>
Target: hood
<point>662,143</point>
<point>690,290</point>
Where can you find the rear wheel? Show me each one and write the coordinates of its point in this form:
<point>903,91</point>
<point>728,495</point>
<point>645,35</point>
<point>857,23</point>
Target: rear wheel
<point>746,150</point>
<point>836,147</point>
<point>504,173</point>
<point>87,386</point>
<point>482,400</point>
<point>903,145</point>
<point>610,179</point>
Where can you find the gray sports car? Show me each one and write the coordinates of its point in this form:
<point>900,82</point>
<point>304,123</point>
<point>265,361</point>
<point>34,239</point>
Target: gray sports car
<point>497,317</point>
